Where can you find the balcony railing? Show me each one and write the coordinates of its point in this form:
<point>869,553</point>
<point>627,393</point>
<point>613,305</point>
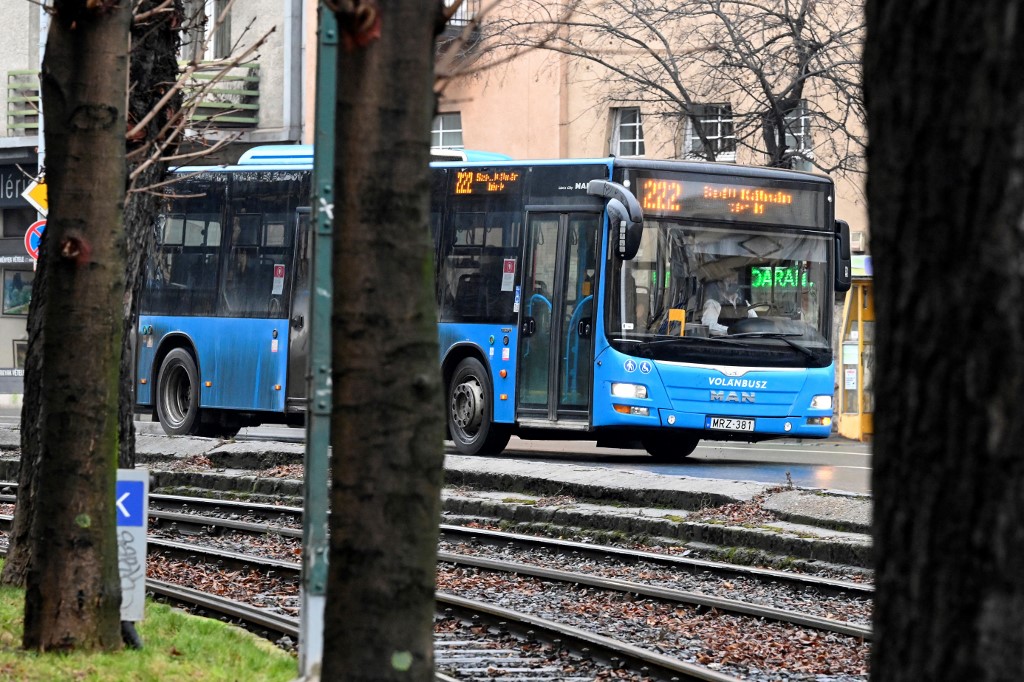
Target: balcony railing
<point>22,103</point>
<point>230,101</point>
<point>454,32</point>
<point>466,12</point>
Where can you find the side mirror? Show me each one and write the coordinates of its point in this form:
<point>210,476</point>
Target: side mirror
<point>625,232</point>
<point>625,217</point>
<point>844,261</point>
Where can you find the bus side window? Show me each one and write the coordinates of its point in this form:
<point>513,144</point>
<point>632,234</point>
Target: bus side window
<point>469,296</point>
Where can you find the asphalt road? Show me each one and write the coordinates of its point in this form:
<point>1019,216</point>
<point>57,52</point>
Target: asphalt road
<point>833,464</point>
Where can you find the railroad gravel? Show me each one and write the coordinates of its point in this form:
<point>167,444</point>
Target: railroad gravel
<point>755,650</point>
<point>810,602</point>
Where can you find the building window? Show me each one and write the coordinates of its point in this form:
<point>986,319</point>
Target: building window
<point>464,13</point>
<point>628,137</point>
<point>17,291</point>
<point>715,121</point>
<point>200,20</point>
<point>798,137</point>
<point>446,131</point>
<point>16,221</point>
<point>20,351</point>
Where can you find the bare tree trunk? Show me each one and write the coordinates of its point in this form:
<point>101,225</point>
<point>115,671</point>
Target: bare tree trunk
<point>946,195</point>
<point>73,592</point>
<point>387,423</point>
<point>153,68</point>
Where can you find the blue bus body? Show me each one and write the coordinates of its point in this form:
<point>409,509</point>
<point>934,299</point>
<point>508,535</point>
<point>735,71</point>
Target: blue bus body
<point>621,301</point>
<point>663,378</point>
<point>249,363</point>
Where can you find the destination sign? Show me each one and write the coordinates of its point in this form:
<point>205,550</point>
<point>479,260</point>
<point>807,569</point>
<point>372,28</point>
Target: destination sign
<point>486,181</point>
<point>770,201</point>
<point>779,277</point>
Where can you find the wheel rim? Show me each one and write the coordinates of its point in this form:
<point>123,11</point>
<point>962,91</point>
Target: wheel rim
<point>177,396</point>
<point>467,408</point>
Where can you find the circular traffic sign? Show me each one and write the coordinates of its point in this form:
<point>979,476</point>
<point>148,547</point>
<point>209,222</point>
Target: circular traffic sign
<point>33,236</point>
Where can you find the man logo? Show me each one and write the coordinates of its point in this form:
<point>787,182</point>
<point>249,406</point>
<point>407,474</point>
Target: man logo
<point>733,397</point>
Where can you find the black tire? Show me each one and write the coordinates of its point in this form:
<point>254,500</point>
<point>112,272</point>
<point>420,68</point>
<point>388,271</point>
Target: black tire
<point>670,446</point>
<point>469,412</point>
<point>177,394</point>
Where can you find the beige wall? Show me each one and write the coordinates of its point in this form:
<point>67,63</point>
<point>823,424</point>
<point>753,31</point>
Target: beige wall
<point>547,105</point>
<point>514,108</point>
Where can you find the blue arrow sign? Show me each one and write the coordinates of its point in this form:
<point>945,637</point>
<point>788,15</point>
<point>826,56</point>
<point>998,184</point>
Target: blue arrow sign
<point>129,501</point>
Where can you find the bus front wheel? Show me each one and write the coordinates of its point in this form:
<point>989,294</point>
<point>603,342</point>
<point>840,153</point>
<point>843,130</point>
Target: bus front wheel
<point>469,412</point>
<point>177,394</point>
<point>669,446</point>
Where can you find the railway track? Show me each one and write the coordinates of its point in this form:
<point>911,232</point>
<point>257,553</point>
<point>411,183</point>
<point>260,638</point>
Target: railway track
<point>512,588</point>
<point>482,617</point>
<point>288,521</point>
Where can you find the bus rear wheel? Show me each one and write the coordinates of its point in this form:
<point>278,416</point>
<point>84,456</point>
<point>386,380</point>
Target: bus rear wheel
<point>469,412</point>
<point>669,446</point>
<point>177,394</point>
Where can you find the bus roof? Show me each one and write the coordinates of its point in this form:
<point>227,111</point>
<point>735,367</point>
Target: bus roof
<point>300,157</point>
<point>689,166</point>
<point>278,155</point>
<point>442,154</point>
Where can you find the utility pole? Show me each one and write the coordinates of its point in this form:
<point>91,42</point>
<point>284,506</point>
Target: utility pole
<point>44,28</point>
<point>318,412</point>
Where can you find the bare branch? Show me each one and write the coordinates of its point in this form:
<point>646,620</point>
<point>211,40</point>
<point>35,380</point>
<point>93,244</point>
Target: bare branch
<point>456,60</point>
<point>162,8</point>
<point>762,57</point>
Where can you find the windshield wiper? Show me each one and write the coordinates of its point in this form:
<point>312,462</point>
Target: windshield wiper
<point>783,336</point>
<point>664,340</point>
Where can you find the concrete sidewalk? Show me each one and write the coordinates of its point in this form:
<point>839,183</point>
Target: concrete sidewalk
<point>782,523</point>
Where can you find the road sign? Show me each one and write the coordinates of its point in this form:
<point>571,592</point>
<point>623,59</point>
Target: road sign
<point>33,236</point>
<point>131,505</point>
<point>35,194</point>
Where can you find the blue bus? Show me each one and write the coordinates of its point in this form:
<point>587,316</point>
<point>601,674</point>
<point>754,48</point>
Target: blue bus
<point>623,301</point>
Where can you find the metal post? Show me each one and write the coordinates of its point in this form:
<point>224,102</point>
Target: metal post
<point>44,29</point>
<point>318,434</point>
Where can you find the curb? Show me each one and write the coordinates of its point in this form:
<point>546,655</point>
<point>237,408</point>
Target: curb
<point>781,541</point>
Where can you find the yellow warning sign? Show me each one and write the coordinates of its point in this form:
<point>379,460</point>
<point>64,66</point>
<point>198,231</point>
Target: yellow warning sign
<point>35,194</point>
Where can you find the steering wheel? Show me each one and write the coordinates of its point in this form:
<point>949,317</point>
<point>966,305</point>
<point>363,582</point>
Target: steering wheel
<point>760,308</point>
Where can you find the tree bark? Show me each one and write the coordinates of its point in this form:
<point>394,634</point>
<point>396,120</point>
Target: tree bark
<point>387,423</point>
<point>73,592</point>
<point>945,188</point>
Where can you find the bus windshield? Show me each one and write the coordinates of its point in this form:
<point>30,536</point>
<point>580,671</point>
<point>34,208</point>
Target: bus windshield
<point>693,286</point>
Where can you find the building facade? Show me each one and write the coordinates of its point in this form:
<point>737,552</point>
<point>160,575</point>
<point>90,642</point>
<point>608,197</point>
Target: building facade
<point>527,103</point>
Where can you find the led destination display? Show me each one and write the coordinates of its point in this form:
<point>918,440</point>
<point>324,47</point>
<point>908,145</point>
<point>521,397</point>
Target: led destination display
<point>487,181</point>
<point>746,200</point>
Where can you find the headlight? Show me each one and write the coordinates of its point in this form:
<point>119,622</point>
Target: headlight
<point>629,391</point>
<point>821,402</point>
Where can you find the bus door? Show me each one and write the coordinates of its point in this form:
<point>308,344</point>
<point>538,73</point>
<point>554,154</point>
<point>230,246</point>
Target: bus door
<point>556,352</point>
<point>298,315</point>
